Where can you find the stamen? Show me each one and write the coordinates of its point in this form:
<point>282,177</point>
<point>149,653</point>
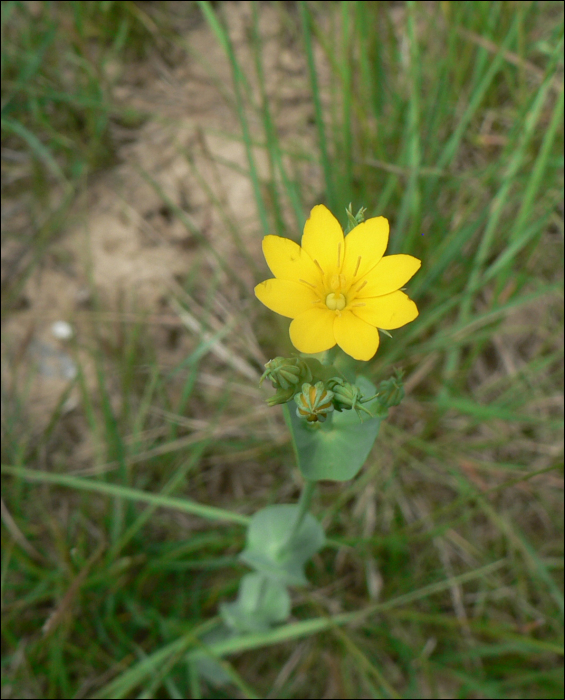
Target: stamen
<point>361,287</point>
<point>339,255</point>
<point>320,267</point>
<point>357,267</point>
<point>316,301</point>
<point>309,283</point>
<point>358,305</point>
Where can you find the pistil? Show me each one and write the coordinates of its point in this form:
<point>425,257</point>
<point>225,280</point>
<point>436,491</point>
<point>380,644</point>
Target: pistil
<point>335,302</point>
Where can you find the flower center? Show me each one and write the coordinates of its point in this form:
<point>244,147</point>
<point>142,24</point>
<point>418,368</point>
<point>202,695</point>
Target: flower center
<point>335,301</point>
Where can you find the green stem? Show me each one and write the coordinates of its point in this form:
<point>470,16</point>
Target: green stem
<point>303,507</point>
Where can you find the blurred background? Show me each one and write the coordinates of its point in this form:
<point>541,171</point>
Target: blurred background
<point>147,147</point>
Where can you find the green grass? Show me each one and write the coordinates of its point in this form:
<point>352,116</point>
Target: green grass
<point>444,573</point>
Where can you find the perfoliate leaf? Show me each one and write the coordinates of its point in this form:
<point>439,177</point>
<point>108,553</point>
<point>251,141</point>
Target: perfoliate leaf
<point>338,448</point>
<point>271,551</point>
<point>261,603</point>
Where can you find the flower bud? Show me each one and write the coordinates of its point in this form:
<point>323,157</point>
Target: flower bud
<point>391,391</point>
<point>286,372</point>
<point>354,220</point>
<point>347,396</point>
<point>314,402</point>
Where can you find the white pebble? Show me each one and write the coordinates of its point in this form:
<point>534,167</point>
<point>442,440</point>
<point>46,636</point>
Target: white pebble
<point>62,330</point>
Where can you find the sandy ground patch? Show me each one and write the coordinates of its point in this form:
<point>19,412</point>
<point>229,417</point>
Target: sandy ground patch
<point>179,201</point>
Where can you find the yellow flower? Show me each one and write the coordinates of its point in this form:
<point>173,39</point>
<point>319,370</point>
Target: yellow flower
<point>338,289</point>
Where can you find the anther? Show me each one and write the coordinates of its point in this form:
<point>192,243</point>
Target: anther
<point>339,254</point>
<point>308,283</point>
<point>361,287</point>
<point>357,267</point>
<point>319,266</point>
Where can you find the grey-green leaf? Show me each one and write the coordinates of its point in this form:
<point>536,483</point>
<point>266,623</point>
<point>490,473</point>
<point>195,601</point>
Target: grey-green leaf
<point>269,549</point>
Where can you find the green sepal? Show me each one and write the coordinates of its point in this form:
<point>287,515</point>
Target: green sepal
<point>339,448</point>
<point>269,549</point>
<point>348,396</point>
<point>281,396</point>
<point>286,372</point>
<point>261,603</point>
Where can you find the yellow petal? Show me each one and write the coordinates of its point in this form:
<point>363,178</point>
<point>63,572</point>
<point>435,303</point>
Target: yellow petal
<point>390,274</point>
<point>312,331</point>
<point>288,261</point>
<point>365,245</point>
<point>323,239</point>
<point>388,312</point>
<point>285,297</point>
<point>355,337</point>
